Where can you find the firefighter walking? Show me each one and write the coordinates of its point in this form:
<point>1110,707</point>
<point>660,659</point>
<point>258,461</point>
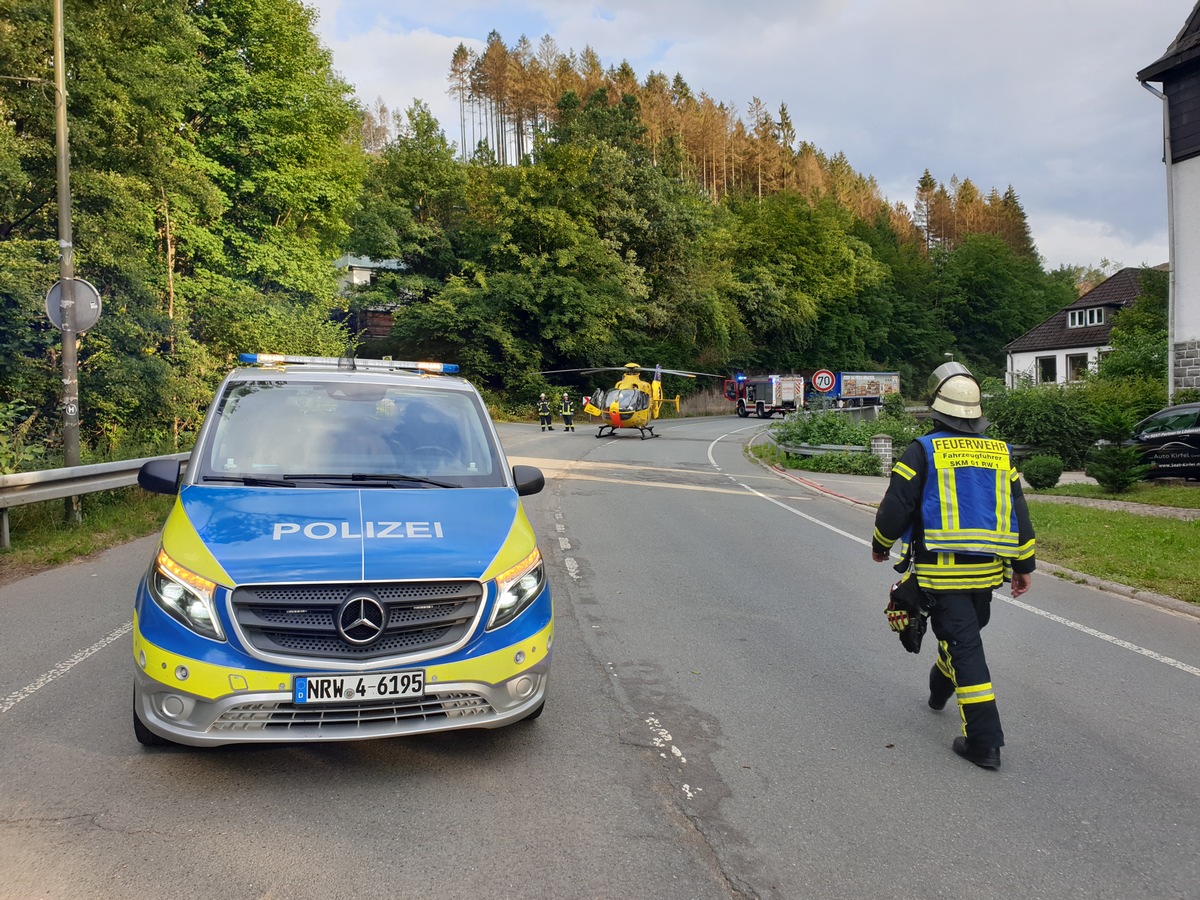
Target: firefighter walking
<point>544,414</point>
<point>567,411</point>
<point>955,503</point>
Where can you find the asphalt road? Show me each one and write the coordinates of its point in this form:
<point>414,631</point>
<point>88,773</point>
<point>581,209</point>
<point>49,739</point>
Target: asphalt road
<point>729,716</point>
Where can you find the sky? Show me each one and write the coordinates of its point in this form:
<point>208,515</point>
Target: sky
<point>1037,94</point>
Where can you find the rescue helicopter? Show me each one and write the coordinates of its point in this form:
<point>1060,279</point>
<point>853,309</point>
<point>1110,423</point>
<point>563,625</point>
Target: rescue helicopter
<point>634,401</point>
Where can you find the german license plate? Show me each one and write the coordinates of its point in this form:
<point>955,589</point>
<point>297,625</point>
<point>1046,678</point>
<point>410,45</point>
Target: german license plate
<point>358,688</point>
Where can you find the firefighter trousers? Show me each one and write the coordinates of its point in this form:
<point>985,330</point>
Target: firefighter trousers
<point>961,668</point>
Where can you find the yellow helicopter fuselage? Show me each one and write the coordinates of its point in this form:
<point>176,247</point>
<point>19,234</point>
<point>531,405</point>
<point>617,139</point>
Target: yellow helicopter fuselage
<point>632,403</point>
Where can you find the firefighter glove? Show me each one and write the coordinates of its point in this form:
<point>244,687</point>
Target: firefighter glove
<point>907,612</point>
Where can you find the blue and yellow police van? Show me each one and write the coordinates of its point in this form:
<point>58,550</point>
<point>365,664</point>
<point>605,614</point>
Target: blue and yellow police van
<point>347,558</point>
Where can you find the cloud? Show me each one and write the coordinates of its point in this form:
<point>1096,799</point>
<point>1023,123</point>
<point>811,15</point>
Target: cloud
<point>1066,240</point>
<point>1034,94</point>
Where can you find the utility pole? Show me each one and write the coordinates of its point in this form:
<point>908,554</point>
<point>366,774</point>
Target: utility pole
<point>72,509</point>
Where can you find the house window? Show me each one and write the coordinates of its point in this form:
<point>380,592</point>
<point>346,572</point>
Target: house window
<point>1077,366</point>
<point>1082,318</point>
<point>1047,369</point>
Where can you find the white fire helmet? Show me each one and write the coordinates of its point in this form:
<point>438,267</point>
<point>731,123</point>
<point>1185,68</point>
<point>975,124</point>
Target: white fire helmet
<point>954,398</point>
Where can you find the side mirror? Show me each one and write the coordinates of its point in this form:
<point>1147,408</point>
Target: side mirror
<point>160,476</point>
<point>529,479</point>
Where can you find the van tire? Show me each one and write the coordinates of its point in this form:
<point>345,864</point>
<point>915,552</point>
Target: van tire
<point>144,735</point>
<point>536,713</point>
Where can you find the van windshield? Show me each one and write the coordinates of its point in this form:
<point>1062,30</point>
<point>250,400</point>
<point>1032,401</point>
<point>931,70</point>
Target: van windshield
<point>274,429</point>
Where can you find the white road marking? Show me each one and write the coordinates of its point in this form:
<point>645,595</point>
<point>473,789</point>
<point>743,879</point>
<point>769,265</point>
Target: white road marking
<point>62,668</point>
<point>1115,641</point>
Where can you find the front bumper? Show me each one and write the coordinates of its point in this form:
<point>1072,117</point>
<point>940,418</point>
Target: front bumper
<point>192,702</point>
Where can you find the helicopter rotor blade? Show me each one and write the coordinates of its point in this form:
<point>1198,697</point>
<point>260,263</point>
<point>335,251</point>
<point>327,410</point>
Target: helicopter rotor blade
<point>582,371</point>
<point>690,374</point>
<point>632,367</point>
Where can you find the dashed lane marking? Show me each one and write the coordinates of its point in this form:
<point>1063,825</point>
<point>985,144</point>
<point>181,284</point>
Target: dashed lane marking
<point>62,668</point>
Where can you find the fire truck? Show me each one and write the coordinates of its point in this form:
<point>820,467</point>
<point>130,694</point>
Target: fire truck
<point>765,395</point>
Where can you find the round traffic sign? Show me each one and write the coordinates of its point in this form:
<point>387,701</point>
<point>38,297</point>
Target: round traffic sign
<point>822,380</point>
<point>87,305</point>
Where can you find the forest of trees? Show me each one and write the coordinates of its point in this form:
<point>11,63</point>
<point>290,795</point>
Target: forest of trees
<point>220,165</point>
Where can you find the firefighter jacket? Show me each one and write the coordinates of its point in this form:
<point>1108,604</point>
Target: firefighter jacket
<point>544,408</point>
<point>567,408</point>
<point>955,503</point>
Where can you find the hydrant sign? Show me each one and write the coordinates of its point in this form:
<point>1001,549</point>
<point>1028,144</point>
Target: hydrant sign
<point>822,380</point>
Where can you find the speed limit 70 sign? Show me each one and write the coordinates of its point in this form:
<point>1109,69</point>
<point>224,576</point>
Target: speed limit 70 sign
<point>822,380</point>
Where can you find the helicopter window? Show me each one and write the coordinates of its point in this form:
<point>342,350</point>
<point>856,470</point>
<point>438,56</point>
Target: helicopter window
<point>626,399</point>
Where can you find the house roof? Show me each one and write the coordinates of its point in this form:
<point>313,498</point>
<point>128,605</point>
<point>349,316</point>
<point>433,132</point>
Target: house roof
<point>1183,50</point>
<point>1114,293</point>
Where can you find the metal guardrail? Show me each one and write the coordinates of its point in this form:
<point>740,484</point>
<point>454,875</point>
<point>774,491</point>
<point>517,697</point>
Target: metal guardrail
<point>817,449</point>
<point>55,484</point>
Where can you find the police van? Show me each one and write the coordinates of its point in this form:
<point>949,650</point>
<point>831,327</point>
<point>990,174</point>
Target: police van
<point>347,558</point>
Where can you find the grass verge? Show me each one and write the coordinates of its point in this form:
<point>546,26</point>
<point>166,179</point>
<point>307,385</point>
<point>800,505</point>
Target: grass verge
<point>41,539</point>
<point>1185,496</point>
<point>1145,552</point>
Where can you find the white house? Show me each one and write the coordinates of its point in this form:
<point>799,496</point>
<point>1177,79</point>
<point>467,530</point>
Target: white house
<point>1074,339</point>
<point>373,322</point>
<point>1178,71</point>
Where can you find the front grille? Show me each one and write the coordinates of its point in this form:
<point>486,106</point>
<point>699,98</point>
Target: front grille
<point>351,716</point>
<point>299,621</point>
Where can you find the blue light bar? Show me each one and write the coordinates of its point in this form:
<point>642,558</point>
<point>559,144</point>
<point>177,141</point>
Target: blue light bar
<point>384,365</point>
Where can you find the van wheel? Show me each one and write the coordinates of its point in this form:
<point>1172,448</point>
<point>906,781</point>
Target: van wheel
<point>144,735</point>
<point>741,410</point>
<point>537,712</point>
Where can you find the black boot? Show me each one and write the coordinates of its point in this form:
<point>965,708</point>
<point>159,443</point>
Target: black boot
<point>984,757</point>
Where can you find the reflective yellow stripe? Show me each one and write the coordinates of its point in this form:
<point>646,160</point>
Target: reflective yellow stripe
<point>945,666</point>
<point>1004,489</point>
<point>976,693</point>
<point>948,575</point>
<point>881,538</point>
<point>904,471</point>
<point>947,502</point>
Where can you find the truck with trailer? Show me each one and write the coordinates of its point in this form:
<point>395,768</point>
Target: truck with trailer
<point>857,389</point>
<point>765,395</point>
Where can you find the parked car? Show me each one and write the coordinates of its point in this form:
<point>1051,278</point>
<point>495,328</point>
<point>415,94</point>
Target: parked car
<point>1170,441</point>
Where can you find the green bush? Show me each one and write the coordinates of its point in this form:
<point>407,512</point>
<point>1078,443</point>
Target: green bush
<point>1115,466</point>
<point>893,407</point>
<point>839,463</point>
<point>1042,471</point>
<point>1139,396</point>
<point>19,449</point>
<point>1186,395</point>
<point>1054,418</point>
<point>830,427</point>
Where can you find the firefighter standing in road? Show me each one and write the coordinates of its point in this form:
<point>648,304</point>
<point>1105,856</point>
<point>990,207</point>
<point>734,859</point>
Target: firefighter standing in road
<point>567,410</point>
<point>955,503</point>
<point>544,414</point>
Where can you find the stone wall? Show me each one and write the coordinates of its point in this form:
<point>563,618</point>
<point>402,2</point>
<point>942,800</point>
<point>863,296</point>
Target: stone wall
<point>1187,365</point>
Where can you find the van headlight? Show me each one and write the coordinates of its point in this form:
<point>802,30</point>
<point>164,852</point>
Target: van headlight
<point>517,588</point>
<point>185,596</point>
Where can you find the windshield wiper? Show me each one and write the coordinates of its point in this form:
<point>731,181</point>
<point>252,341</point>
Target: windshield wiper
<point>375,479</point>
<point>252,480</point>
